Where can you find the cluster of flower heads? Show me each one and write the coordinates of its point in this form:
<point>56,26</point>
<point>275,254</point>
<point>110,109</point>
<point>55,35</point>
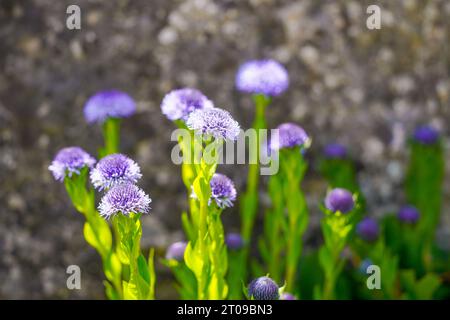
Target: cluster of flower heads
<point>223,191</point>
<point>69,161</point>
<point>178,104</point>
<point>214,122</point>
<point>118,174</point>
<point>234,241</point>
<point>266,77</point>
<point>426,135</point>
<point>335,151</point>
<point>263,288</point>
<point>109,104</point>
<point>124,198</point>
<point>339,200</point>
<point>290,135</point>
<point>408,214</point>
<point>176,251</point>
<point>368,229</point>
<point>114,169</point>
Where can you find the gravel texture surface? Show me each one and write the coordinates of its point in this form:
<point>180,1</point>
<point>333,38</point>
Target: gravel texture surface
<point>365,88</point>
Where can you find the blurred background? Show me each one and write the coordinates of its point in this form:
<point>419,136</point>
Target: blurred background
<point>367,89</point>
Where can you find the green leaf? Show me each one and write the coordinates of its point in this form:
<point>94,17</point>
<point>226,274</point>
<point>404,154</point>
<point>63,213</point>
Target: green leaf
<point>111,293</point>
<point>99,236</point>
<point>112,267</point>
<point>187,226</point>
<point>130,291</point>
<point>151,272</point>
<point>143,268</point>
<point>193,259</point>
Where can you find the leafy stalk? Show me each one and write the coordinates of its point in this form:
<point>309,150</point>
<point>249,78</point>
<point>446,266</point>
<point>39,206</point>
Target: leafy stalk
<point>424,181</point>
<point>294,168</point>
<point>341,173</point>
<point>286,222</point>
<point>249,199</point>
<point>140,283</point>
<point>206,255</point>
<point>96,231</point>
<point>336,229</point>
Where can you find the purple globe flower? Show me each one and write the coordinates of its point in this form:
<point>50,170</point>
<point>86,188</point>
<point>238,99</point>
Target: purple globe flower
<point>223,191</point>
<point>339,200</point>
<point>124,198</point>
<point>368,229</point>
<point>109,104</point>
<point>68,161</point>
<point>408,215</point>
<point>214,122</point>
<point>176,251</point>
<point>234,241</point>
<point>263,288</point>
<point>114,169</point>
<point>426,135</point>
<point>262,77</point>
<point>335,151</point>
<point>178,104</point>
<point>287,296</point>
<point>289,135</point>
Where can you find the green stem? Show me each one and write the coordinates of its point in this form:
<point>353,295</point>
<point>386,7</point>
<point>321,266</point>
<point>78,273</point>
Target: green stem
<point>249,203</point>
<point>111,135</point>
<point>202,290</point>
<point>253,171</point>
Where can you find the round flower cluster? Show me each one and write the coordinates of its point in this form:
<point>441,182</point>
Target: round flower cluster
<point>234,241</point>
<point>114,169</point>
<point>213,122</point>
<point>408,215</point>
<point>266,77</point>
<point>335,151</point>
<point>289,135</point>
<point>223,191</point>
<point>263,288</point>
<point>109,104</point>
<point>125,198</point>
<point>69,161</point>
<point>176,251</point>
<point>178,104</point>
<point>426,135</point>
<point>368,229</point>
<point>339,200</point>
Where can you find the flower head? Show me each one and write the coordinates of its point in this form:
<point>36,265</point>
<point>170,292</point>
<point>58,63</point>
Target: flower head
<point>289,135</point>
<point>263,288</point>
<point>368,229</point>
<point>335,151</point>
<point>222,190</point>
<point>234,241</point>
<point>262,77</point>
<point>70,160</point>
<point>339,200</point>
<point>176,251</point>
<point>426,135</point>
<point>109,104</point>
<point>287,296</point>
<point>408,214</point>
<point>178,104</point>
<point>124,198</point>
<point>215,122</point>
<point>114,169</point>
